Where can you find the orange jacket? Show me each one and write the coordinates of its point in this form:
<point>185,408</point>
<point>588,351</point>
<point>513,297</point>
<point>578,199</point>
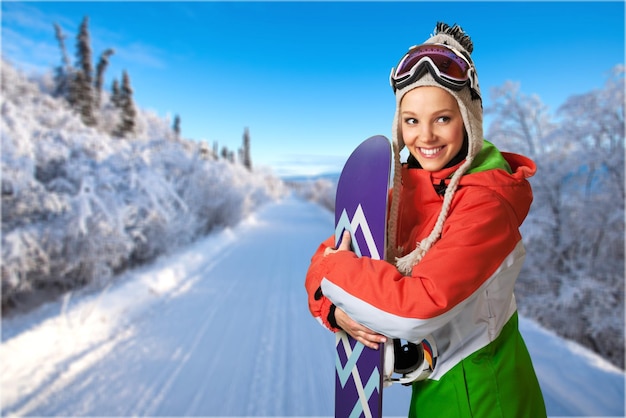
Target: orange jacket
<point>462,290</point>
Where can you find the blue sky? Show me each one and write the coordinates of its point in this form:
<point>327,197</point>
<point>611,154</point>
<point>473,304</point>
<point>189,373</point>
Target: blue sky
<point>310,79</point>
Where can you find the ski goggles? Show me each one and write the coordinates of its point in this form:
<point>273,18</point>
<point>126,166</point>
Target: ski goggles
<point>446,64</point>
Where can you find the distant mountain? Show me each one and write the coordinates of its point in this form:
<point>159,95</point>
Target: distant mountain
<point>333,177</point>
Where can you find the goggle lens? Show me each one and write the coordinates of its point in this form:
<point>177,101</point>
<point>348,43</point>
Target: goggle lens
<point>448,64</point>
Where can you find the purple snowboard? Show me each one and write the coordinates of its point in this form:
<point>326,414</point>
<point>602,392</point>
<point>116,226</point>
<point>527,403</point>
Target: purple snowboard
<point>361,208</point>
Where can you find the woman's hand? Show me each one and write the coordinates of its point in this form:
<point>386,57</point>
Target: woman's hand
<point>360,333</point>
<point>357,331</point>
<point>346,240</point>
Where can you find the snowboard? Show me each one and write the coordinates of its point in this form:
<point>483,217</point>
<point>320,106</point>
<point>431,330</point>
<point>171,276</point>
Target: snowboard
<point>361,208</point>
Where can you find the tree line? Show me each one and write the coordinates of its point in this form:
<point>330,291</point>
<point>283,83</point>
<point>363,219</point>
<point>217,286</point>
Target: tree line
<point>82,87</point>
<point>573,278</point>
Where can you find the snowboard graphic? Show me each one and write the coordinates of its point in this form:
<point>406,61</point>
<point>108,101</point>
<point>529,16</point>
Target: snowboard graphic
<point>361,208</point>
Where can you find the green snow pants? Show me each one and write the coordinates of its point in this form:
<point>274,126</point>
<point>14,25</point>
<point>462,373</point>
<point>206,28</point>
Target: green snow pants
<point>497,381</point>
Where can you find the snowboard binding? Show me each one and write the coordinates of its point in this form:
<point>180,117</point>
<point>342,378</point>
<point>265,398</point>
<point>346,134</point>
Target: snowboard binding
<point>412,361</point>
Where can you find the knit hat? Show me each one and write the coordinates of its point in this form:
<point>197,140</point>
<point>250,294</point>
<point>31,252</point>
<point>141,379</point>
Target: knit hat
<point>470,105</point>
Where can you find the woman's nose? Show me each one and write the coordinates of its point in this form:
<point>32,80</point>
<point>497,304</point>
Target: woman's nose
<point>426,133</point>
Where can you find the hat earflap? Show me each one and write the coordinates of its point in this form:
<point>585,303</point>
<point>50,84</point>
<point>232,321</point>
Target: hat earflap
<point>397,143</point>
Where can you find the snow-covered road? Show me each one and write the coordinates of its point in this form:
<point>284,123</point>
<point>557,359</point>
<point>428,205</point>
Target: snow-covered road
<point>222,329</point>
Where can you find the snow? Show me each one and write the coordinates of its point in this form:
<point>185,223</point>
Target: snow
<point>221,328</point>
<point>80,206</point>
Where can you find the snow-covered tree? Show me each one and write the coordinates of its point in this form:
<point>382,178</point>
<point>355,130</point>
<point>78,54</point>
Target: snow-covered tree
<point>573,280</point>
<point>246,158</point>
<point>116,94</point>
<point>176,126</point>
<point>321,191</point>
<point>103,63</point>
<point>127,108</point>
<point>83,91</point>
<point>78,206</point>
<point>64,73</point>
<point>523,122</point>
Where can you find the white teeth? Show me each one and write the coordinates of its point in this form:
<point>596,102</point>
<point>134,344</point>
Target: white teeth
<point>430,151</point>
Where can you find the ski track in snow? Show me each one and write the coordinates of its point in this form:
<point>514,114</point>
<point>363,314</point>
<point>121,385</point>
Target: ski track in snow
<point>222,329</point>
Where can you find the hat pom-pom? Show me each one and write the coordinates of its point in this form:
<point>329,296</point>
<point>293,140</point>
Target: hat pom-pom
<point>456,32</point>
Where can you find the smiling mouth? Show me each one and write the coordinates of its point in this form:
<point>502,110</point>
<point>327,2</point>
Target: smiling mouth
<point>430,152</point>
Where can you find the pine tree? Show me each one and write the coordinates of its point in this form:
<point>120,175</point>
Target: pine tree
<point>83,92</point>
<point>176,126</point>
<point>83,51</point>
<point>127,107</point>
<point>116,94</point>
<point>63,73</point>
<point>100,68</point>
<point>246,160</point>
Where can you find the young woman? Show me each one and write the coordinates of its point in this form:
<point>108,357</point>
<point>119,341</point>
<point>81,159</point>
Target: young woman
<point>455,249</point>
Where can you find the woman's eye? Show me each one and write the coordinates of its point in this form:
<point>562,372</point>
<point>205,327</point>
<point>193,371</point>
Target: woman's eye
<point>443,119</point>
<point>410,121</point>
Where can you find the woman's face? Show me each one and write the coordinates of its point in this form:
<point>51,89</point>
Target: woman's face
<point>431,126</point>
